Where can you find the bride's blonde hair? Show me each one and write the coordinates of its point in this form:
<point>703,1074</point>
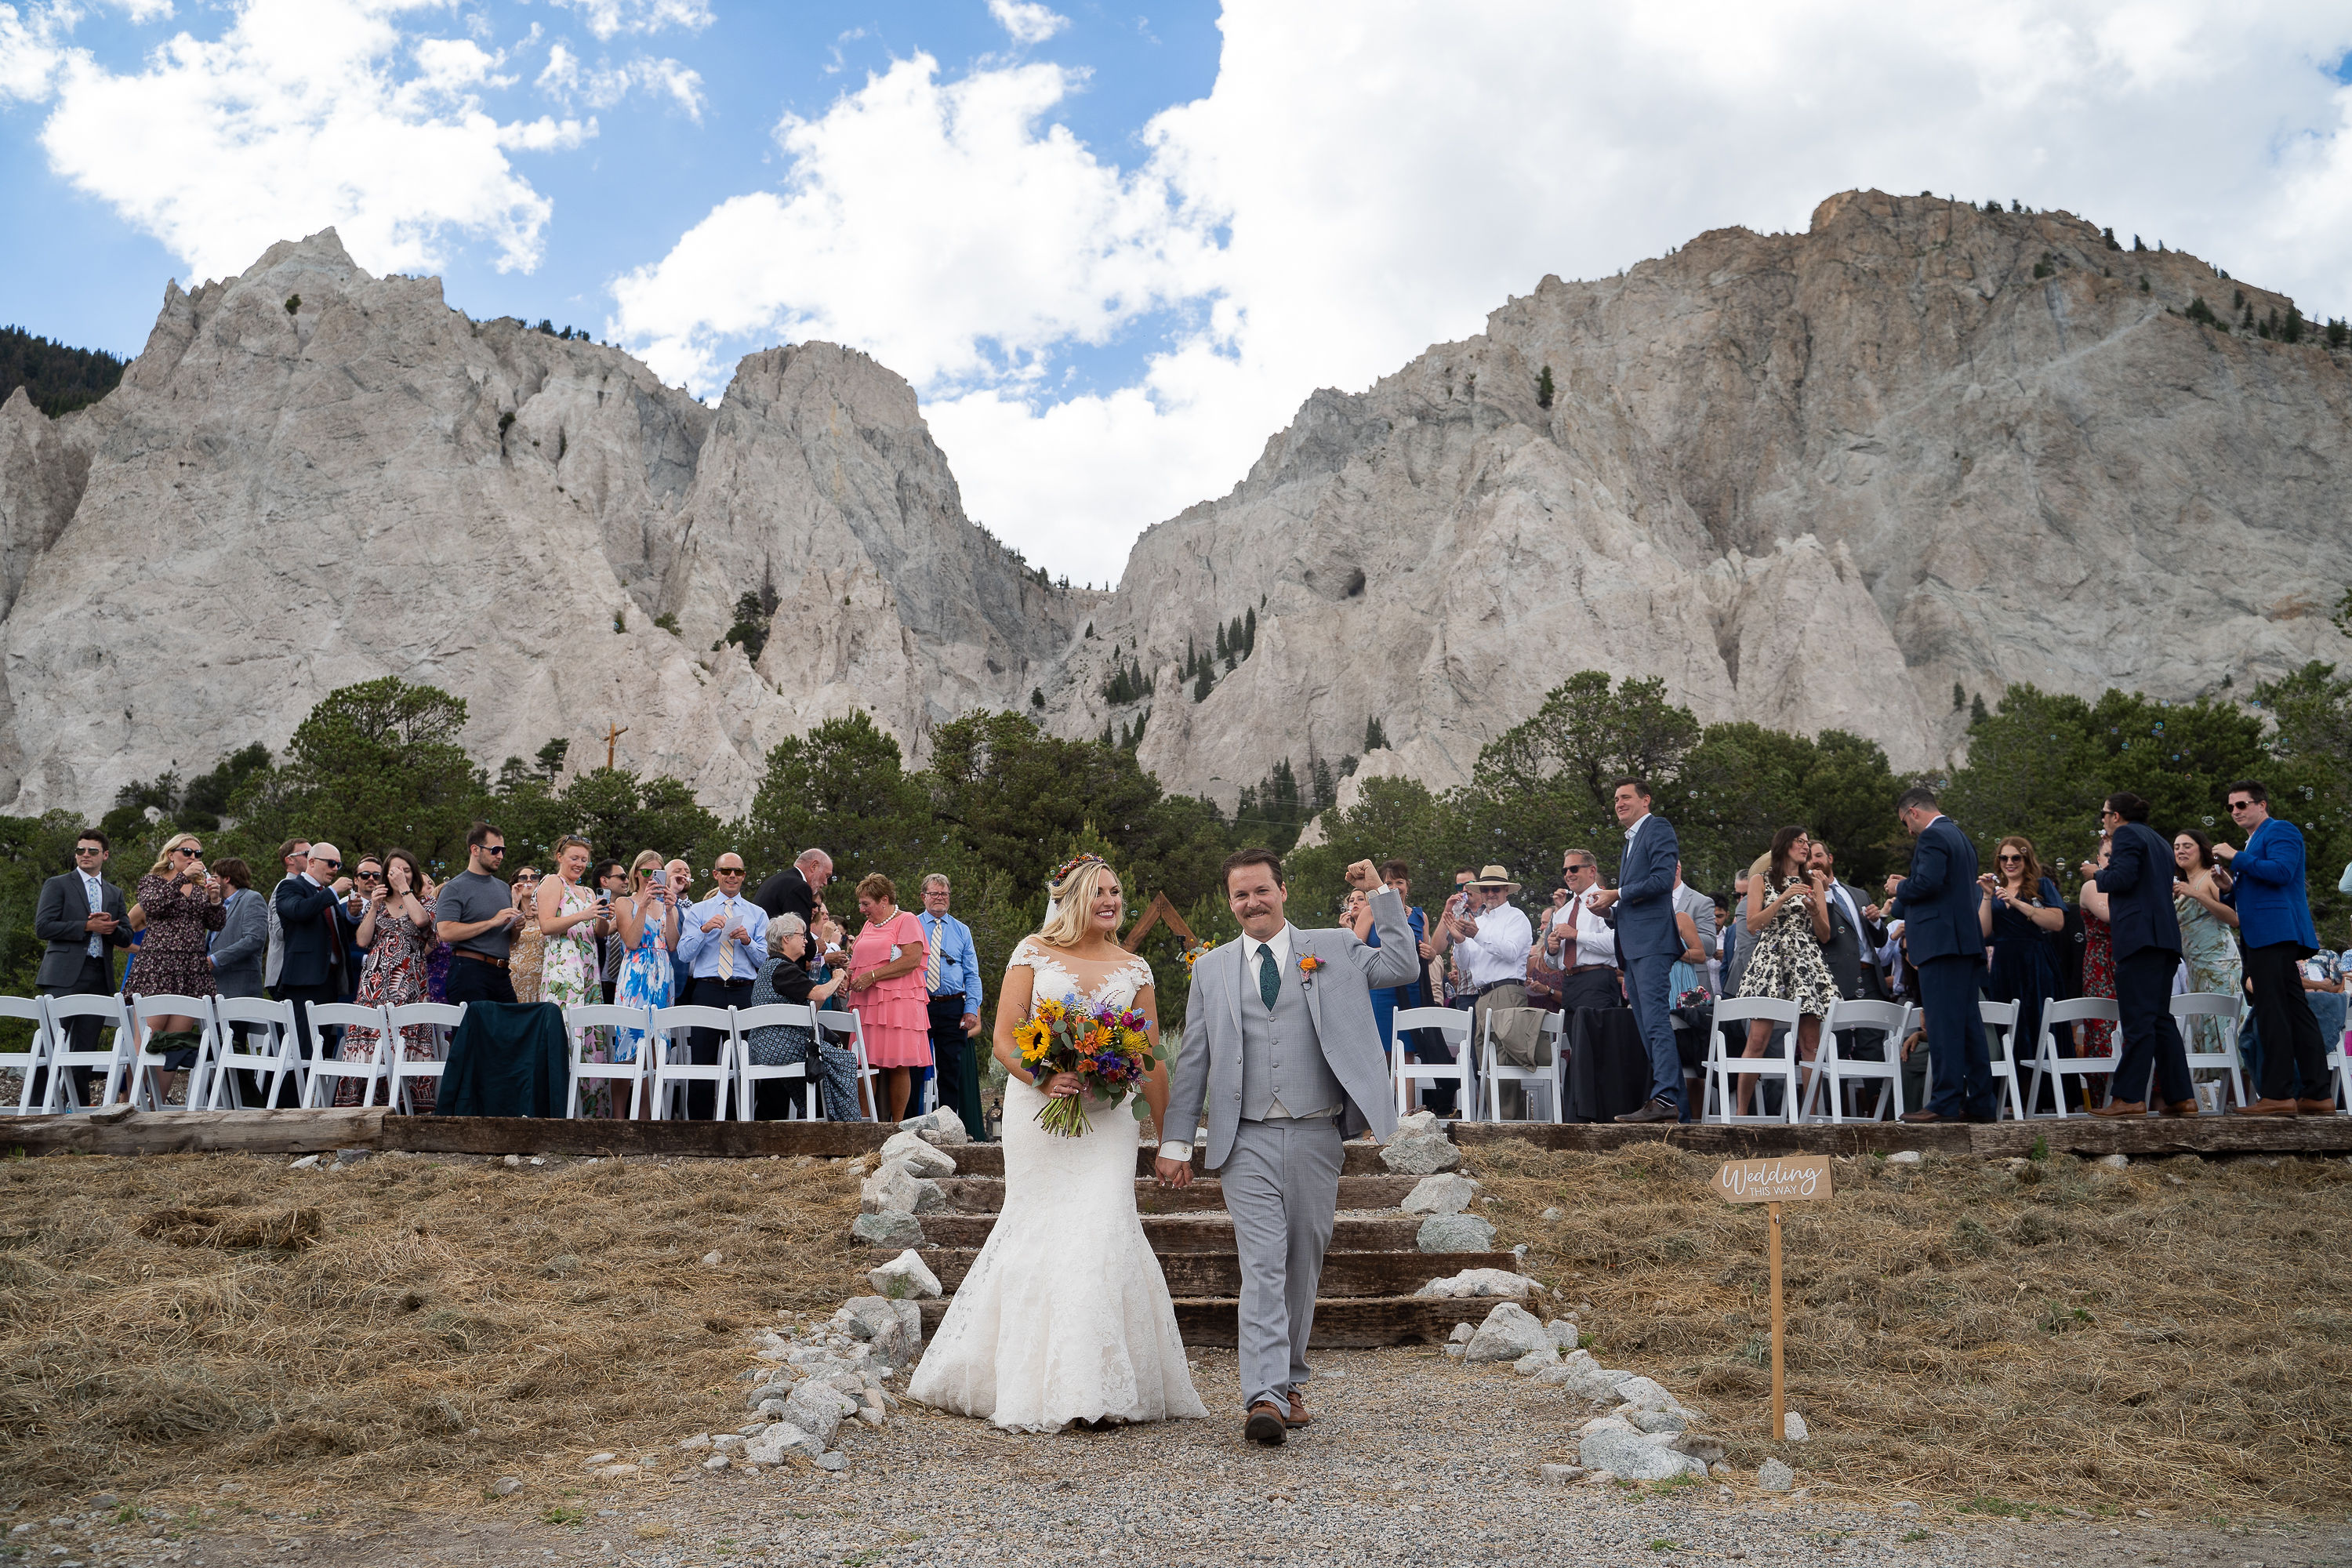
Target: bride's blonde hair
<point>1074,898</point>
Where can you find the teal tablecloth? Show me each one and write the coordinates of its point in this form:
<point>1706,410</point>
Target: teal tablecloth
<point>508,1058</point>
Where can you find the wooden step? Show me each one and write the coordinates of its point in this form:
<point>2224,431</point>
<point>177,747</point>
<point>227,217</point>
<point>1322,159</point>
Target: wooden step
<point>1204,1232</point>
<point>988,1160</point>
<point>1220,1273</point>
<point>1340,1323</point>
<point>985,1194</point>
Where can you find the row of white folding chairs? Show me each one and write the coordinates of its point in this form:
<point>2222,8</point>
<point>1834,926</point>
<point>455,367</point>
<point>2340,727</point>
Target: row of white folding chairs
<point>661,1069</point>
<point>1474,1074</point>
<point>2186,1011</point>
<point>1833,1066</point>
<point>236,1036</point>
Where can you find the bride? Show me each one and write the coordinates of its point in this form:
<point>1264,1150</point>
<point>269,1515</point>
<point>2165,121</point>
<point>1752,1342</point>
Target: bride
<point>1064,1315</point>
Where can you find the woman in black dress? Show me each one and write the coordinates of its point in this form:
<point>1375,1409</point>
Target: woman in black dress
<point>2020,912</point>
<point>785,978</point>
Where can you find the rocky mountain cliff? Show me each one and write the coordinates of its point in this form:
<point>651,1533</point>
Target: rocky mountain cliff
<point>1815,481</point>
<point>312,477</point>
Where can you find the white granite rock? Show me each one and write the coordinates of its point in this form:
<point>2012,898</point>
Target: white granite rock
<point>1509,1332</point>
<point>905,1276</point>
<point>924,1159</point>
<point>1442,1193</point>
<point>1455,1233</point>
<point>1422,1156</point>
<point>1614,1446</point>
<point>1773,1476</point>
<point>896,1189</point>
<point>819,1411</point>
<point>1473,1283</point>
<point>1536,1361</point>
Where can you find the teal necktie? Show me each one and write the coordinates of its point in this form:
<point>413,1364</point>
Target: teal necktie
<point>1269,978</point>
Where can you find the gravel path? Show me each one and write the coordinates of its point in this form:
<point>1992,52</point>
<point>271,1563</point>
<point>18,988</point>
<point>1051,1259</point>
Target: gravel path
<point>1412,1460</point>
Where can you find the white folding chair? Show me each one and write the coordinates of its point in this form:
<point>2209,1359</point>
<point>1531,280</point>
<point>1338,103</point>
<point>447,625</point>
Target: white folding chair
<point>1496,1073</point>
<point>33,1010</point>
<point>636,1072</point>
<point>145,1089</point>
<point>747,1072</point>
<point>1833,1068</point>
<point>1455,1025</point>
<point>440,1021</point>
<point>326,1071</point>
<point>1721,1068</point>
<point>674,1065</point>
<point>110,1014</point>
<point>274,1054</point>
<point>2049,1063</point>
<point>2340,1064</point>
<point>846,1022</point>
<point>2225,1011</point>
<point>2000,1056</point>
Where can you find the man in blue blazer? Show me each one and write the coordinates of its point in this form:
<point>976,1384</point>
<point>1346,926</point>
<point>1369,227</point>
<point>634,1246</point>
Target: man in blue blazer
<point>1647,943</point>
<point>2274,923</point>
<point>1937,902</point>
<point>2138,884</point>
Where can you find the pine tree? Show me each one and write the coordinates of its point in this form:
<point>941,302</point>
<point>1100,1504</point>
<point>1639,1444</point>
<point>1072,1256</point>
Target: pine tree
<point>1959,697</point>
<point>1977,714</point>
<point>2109,235</point>
<point>1222,649</point>
<point>2293,332</point>
<point>1543,387</point>
<point>1249,634</point>
<point>1375,738</point>
<point>1234,641</point>
<point>2138,244</point>
<point>1204,683</point>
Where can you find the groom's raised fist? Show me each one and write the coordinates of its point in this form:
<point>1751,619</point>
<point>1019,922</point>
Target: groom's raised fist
<point>1363,875</point>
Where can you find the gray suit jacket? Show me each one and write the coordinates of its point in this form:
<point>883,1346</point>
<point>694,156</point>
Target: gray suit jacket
<point>1207,1080</point>
<point>1852,951</point>
<point>241,944</point>
<point>57,919</point>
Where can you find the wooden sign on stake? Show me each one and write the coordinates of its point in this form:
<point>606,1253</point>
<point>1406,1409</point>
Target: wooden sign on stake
<point>1791,1179</point>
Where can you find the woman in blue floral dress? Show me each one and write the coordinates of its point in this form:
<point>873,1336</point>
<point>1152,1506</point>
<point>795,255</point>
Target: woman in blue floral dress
<point>647,926</point>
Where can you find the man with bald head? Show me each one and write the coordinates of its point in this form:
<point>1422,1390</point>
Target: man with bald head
<point>316,934</point>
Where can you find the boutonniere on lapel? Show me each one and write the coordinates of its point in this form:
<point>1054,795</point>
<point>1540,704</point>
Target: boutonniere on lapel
<point>1307,964</point>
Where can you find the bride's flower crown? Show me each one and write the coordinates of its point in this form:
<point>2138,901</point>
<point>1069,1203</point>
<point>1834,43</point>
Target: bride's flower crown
<point>1062,872</point>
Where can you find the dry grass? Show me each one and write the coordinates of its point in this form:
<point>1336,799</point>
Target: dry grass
<point>2178,1333</point>
<point>395,1329</point>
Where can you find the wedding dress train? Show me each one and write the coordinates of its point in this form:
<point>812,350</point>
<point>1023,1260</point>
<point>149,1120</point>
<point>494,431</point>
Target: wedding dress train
<point>1064,1315</point>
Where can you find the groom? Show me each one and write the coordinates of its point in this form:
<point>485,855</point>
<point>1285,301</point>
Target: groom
<point>1279,1040</point>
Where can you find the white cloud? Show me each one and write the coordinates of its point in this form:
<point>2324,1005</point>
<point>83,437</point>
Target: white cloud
<point>940,226</point>
<point>1028,22</point>
<point>303,113</point>
<point>609,18</point>
<point>565,80</point>
<point>1370,176</point>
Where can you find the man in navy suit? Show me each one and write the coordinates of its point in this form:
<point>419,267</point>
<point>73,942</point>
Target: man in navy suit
<point>2138,885</point>
<point>2275,922</point>
<point>1937,902</point>
<point>1647,943</point>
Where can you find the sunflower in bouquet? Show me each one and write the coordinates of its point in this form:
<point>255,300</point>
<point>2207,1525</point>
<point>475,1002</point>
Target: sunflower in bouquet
<point>1110,1049</point>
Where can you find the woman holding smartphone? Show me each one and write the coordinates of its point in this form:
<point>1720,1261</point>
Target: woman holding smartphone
<point>646,919</point>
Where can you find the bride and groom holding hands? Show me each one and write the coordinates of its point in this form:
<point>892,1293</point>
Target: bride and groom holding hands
<point>1065,1316</point>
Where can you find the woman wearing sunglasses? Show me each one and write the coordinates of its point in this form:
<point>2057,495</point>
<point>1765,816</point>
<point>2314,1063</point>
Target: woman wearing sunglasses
<point>2020,912</point>
<point>182,903</point>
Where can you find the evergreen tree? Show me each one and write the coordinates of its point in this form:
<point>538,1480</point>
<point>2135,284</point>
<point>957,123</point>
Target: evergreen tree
<point>1977,714</point>
<point>56,378</point>
<point>1959,697</point>
<point>1543,387</point>
<point>1375,738</point>
<point>1203,683</point>
<point>1249,634</point>
<point>1225,650</point>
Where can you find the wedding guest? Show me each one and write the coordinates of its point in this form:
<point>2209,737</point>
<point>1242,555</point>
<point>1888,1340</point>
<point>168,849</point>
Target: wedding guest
<point>294,855</point>
<point>527,955</point>
<point>887,991</point>
<point>1788,917</point>
<point>1544,977</point>
<point>182,901</point>
<point>2094,1038</point>
<point>2200,902</point>
<point>647,923</point>
<point>366,877</point>
<point>1584,944</point>
<point>242,944</point>
<point>785,977</point>
<point>794,890</point>
<point>1420,1045</point>
<point>2324,988</point>
<point>1647,941</point>
<point>397,932</point>
<point>1489,937</point>
<point>2020,911</point>
<point>1695,920</point>
<point>475,913</point>
<point>1944,940</point>
<point>612,880</point>
<point>721,940</point>
<point>313,924</point>
<point>83,919</point>
<point>2138,880</point>
<point>952,996</point>
<point>2274,923</point>
<point>681,889</point>
<point>1852,952</point>
<point>568,912</point>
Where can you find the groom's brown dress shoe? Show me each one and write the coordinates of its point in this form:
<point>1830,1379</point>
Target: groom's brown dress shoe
<point>2121,1108</point>
<point>2314,1107</point>
<point>1266,1423</point>
<point>1300,1415</point>
<point>2268,1107</point>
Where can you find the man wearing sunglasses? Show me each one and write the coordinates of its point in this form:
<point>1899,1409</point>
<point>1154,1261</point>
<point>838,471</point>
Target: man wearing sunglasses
<point>82,917</point>
<point>476,915</point>
<point>315,938</point>
<point>2138,881</point>
<point>2266,889</point>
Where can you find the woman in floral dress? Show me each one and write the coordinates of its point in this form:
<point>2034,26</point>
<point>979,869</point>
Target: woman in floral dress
<point>645,922</point>
<point>397,932</point>
<point>568,913</point>
<point>182,902</point>
<point>530,946</point>
<point>1789,916</point>
<point>2200,887</point>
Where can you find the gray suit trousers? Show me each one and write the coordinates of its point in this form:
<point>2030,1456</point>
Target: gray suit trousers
<point>1282,1187</point>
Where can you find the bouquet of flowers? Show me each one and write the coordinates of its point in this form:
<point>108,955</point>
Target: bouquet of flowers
<point>1107,1048</point>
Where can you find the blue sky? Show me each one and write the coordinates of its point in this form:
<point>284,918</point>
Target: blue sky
<point>1112,247</point>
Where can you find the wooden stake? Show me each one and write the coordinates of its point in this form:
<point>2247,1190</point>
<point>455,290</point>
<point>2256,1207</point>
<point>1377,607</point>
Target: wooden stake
<point>613,733</point>
<point>1780,1408</point>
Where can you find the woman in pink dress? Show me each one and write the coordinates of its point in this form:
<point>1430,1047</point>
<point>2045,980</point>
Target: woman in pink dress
<point>886,987</point>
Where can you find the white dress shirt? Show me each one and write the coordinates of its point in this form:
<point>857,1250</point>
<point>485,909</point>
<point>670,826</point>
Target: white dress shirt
<point>1499,949</point>
<point>95,893</point>
<point>1593,940</point>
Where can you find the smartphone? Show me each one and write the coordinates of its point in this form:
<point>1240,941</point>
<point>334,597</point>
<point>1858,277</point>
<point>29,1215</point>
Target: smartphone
<point>660,878</point>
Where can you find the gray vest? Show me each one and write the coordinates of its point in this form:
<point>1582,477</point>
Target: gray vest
<point>1281,1056</point>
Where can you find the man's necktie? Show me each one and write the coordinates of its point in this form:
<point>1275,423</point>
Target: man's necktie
<point>1269,978</point>
<point>932,959</point>
<point>727,941</point>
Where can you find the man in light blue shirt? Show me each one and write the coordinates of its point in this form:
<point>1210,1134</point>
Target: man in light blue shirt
<point>724,941</point>
<point>951,978</point>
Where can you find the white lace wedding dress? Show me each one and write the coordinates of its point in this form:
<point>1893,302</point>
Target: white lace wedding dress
<point>1064,1315</point>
